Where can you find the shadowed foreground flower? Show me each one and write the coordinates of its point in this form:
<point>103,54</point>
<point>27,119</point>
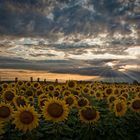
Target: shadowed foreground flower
<point>26,118</point>
<point>120,107</point>
<point>55,110</point>
<point>5,111</point>
<point>135,105</point>
<point>89,114</point>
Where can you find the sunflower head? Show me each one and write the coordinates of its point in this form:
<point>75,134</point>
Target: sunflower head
<point>99,95</point>
<point>4,86</point>
<point>28,84</point>
<point>82,102</point>
<point>8,95</point>
<point>29,92</point>
<point>135,104</point>
<point>56,93</point>
<point>89,114</point>
<point>120,107</point>
<point>51,88</point>
<point>86,90</point>
<point>111,98</point>
<point>39,92</point>
<point>71,84</point>
<point>19,101</point>
<point>55,110</point>
<point>70,100</point>
<point>36,85</point>
<point>108,91</point>
<point>125,94</point>
<point>5,111</point>
<point>20,83</point>
<point>25,118</point>
<point>66,92</point>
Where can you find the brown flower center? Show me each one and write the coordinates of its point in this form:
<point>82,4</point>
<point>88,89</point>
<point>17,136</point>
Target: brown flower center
<point>4,112</point>
<point>36,85</point>
<point>26,117</point>
<point>89,114</point>
<point>51,88</point>
<point>55,110</point>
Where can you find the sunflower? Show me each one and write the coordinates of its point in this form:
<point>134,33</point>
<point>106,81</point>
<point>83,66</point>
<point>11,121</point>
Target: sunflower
<point>28,84</point>
<point>51,87</point>
<point>135,104</point>
<point>111,98</point>
<point>82,102</point>
<point>99,95</point>
<point>25,118</point>
<point>12,85</point>
<point>19,101</point>
<point>56,93</point>
<point>2,128</point>
<point>120,107</point>
<point>55,110</point>
<point>66,92</point>
<point>125,94</point>
<point>92,92</point>
<point>36,85</point>
<point>20,83</point>
<point>29,92</point>
<point>116,92</point>
<point>70,100</point>
<point>108,91</point>
<point>71,84</point>
<point>89,114</point>
<point>39,92</point>
<point>8,95</point>
<point>6,111</point>
<point>4,86</point>
<point>86,90</point>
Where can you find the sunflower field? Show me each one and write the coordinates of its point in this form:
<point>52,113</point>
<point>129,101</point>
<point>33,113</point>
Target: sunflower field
<point>69,111</point>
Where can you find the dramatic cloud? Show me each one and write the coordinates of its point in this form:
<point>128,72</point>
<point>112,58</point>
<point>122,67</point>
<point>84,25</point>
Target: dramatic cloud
<point>83,37</point>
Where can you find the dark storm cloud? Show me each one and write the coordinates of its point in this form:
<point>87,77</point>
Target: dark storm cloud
<point>30,17</point>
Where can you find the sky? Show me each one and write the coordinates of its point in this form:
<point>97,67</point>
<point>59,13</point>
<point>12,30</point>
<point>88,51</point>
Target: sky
<point>70,39</point>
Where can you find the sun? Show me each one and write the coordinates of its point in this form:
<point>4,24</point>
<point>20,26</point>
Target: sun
<point>110,64</point>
